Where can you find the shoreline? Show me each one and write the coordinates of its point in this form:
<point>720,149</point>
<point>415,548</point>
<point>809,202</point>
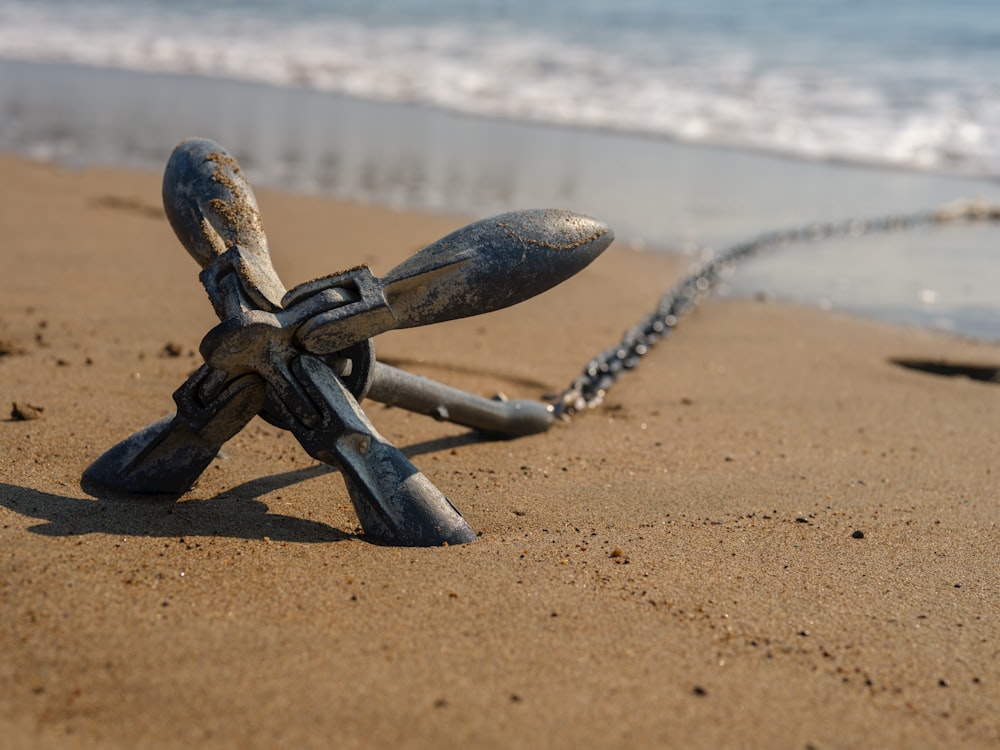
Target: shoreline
<point>678,567</point>
<point>389,105</point>
<point>655,193</point>
<point>273,128</point>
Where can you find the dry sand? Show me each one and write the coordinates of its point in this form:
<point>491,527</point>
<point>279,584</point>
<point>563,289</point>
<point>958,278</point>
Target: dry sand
<point>677,568</point>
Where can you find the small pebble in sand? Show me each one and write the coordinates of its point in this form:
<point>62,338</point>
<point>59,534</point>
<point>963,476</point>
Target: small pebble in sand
<point>10,347</point>
<point>172,349</point>
<point>21,411</point>
<point>858,534</point>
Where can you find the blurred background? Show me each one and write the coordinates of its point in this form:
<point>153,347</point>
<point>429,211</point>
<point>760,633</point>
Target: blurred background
<point>684,125</point>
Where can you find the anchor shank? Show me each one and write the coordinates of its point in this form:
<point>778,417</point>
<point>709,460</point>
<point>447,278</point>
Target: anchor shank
<point>396,387</point>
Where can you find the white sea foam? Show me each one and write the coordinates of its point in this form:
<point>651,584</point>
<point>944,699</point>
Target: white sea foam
<point>941,117</point>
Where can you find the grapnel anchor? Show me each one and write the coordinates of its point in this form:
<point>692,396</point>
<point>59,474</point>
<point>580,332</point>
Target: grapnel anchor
<point>303,359</point>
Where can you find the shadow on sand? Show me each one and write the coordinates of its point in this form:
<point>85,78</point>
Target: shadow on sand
<point>236,512</point>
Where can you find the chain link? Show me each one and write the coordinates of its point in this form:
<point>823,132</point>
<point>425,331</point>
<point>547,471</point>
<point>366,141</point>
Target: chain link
<point>590,387</point>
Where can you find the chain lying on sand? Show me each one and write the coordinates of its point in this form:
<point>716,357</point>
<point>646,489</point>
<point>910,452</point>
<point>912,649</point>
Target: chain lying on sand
<point>589,388</point>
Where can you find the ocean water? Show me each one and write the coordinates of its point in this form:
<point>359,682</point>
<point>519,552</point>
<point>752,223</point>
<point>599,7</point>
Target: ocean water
<point>682,124</point>
<point>900,82</point>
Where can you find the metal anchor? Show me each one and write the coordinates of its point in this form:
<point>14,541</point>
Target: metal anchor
<point>303,359</point>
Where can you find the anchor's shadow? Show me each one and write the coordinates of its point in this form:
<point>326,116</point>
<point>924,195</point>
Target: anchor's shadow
<point>234,513</point>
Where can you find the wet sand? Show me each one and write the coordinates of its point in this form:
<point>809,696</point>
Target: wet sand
<point>769,536</point>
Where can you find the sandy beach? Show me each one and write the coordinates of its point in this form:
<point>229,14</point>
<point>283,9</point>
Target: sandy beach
<point>770,535</point>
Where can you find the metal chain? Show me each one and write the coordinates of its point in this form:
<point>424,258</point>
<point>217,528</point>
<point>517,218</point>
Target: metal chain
<point>589,388</point>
